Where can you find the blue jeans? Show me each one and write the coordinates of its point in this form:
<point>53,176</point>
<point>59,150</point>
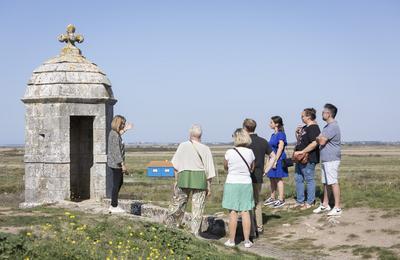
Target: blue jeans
<point>305,172</point>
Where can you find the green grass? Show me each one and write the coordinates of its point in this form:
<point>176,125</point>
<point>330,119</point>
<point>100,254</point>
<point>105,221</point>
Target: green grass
<point>74,235</point>
<point>366,180</point>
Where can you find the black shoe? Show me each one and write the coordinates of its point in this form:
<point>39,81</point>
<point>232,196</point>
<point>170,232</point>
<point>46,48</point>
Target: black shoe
<point>278,204</point>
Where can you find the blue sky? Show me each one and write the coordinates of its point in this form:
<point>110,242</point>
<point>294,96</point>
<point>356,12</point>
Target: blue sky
<point>174,63</point>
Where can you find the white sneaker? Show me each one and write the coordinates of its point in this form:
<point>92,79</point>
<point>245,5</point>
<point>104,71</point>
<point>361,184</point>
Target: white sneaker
<point>248,244</point>
<point>229,243</point>
<point>321,208</point>
<point>116,209</point>
<point>335,212</point>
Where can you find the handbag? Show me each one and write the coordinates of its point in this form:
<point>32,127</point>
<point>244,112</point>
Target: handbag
<point>300,158</point>
<point>288,162</point>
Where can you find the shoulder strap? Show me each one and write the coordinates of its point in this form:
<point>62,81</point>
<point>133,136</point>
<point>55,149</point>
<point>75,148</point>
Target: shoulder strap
<point>248,167</point>
<point>201,159</point>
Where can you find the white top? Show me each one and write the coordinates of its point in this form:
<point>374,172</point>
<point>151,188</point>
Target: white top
<point>237,168</point>
<point>186,158</point>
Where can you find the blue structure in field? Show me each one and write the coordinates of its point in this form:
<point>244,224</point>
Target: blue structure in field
<point>160,169</point>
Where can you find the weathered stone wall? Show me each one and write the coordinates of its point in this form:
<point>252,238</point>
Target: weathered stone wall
<point>47,141</point>
<point>65,86</point>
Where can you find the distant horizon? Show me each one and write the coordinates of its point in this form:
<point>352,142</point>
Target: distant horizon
<point>224,143</point>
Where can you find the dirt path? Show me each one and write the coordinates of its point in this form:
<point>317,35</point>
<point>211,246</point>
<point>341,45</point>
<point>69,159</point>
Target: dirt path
<point>332,238</point>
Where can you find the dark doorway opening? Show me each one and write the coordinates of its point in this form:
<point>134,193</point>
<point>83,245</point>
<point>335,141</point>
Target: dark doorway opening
<point>81,156</point>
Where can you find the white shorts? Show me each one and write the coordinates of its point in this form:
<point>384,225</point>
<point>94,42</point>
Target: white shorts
<point>329,172</point>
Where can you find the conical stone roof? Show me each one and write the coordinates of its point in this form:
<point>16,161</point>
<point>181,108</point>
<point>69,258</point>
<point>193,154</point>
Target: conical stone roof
<point>69,77</point>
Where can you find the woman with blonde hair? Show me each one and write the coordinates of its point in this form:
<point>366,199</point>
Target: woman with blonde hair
<point>116,158</point>
<point>238,188</point>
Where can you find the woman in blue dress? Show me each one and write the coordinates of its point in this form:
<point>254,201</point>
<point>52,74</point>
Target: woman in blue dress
<point>278,172</point>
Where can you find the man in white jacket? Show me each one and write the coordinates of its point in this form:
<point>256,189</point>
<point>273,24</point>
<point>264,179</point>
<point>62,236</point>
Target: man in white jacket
<point>194,170</point>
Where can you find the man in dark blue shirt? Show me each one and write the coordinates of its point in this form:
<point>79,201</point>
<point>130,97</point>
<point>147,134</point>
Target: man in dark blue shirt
<point>260,148</point>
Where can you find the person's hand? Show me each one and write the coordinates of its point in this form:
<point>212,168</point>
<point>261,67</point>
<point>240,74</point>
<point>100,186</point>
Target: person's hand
<point>274,166</point>
<point>128,126</point>
<point>208,191</point>
<point>124,170</point>
<point>300,152</point>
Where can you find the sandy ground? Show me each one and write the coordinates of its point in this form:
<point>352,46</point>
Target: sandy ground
<point>356,227</point>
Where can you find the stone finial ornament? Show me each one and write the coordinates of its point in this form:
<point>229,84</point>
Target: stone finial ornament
<point>70,38</point>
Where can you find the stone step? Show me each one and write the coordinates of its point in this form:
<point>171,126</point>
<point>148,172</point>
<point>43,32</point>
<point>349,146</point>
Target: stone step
<point>212,225</point>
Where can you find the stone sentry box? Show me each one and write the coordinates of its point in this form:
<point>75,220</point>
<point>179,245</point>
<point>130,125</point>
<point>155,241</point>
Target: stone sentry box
<point>69,107</point>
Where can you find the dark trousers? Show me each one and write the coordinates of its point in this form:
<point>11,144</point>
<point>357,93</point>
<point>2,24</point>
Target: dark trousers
<point>118,179</point>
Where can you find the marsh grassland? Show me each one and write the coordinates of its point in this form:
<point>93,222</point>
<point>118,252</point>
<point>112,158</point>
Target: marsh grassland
<point>368,228</point>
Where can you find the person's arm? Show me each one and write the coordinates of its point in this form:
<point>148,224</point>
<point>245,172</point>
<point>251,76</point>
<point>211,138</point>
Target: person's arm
<point>121,152</point>
<point>279,152</point>
<point>225,165</point>
<point>209,187</point>
<point>176,178</point>
<point>309,148</point>
<point>322,140</point>
<point>270,162</point>
<point>210,170</point>
<point>327,134</point>
<point>252,166</point>
<point>115,149</point>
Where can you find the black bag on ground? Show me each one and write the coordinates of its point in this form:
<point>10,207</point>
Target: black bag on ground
<point>136,208</point>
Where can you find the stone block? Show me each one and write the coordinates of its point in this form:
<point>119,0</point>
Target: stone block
<point>56,170</point>
<point>100,158</point>
<point>57,184</point>
<point>34,110</point>
<point>100,122</point>
<point>32,183</point>
<point>99,148</point>
<point>30,196</point>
